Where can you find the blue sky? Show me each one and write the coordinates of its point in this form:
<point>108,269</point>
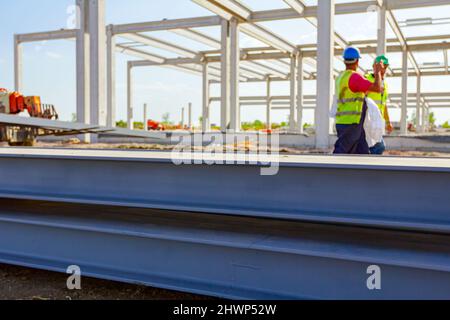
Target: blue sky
<point>50,66</point>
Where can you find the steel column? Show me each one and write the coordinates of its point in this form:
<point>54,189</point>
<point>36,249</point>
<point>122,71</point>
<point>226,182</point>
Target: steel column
<point>225,76</point>
<point>235,114</point>
<point>97,36</point>
<point>18,64</point>
<point>111,77</point>
<point>83,67</point>
<point>381,32</point>
<point>404,114</point>
<point>300,94</point>
<point>269,103</point>
<point>130,97</point>
<point>190,116</point>
<point>293,95</point>
<point>206,122</point>
<point>424,118</point>
<point>419,123</point>
<point>325,58</point>
<point>145,117</point>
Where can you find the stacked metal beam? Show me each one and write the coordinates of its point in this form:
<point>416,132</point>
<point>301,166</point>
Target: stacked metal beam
<point>311,231</point>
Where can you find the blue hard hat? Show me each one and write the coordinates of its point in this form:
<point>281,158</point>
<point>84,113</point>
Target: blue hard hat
<point>352,54</point>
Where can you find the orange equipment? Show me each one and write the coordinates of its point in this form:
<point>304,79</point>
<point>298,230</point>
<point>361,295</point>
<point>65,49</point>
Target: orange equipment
<point>33,104</point>
<point>16,103</point>
<point>155,126</point>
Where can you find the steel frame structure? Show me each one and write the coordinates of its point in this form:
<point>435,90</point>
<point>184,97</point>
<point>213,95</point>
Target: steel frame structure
<point>228,65</point>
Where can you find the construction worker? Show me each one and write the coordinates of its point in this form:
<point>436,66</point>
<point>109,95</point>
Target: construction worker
<point>351,90</point>
<point>381,100</point>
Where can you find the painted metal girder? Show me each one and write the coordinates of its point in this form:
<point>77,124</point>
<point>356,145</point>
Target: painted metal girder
<point>308,188</point>
<point>227,257</point>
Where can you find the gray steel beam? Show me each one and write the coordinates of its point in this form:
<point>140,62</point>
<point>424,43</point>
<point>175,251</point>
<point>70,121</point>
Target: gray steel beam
<point>297,192</point>
<point>227,257</point>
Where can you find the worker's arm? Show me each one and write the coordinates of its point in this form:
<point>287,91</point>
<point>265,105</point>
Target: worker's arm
<point>389,127</point>
<point>359,84</point>
<point>377,86</point>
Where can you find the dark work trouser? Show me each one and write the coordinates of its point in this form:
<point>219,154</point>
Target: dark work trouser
<point>352,138</point>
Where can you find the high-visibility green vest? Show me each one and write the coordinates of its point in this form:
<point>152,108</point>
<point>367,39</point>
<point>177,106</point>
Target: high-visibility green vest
<point>379,98</point>
<point>350,104</point>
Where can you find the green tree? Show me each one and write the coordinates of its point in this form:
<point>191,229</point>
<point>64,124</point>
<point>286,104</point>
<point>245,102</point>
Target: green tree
<point>432,119</point>
<point>446,125</point>
<point>121,124</point>
<point>166,118</point>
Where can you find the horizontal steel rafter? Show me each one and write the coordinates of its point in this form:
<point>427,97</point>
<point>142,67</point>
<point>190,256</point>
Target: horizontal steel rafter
<point>160,44</point>
<point>47,36</point>
<point>234,9</point>
<point>199,37</point>
<point>167,25</point>
<point>342,9</point>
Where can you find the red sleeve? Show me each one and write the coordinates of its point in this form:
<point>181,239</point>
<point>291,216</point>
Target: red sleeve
<point>358,83</point>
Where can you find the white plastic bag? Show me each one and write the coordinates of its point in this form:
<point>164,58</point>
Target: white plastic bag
<point>334,108</point>
<point>374,125</point>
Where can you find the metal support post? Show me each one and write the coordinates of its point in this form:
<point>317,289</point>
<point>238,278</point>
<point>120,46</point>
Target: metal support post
<point>404,116</point>
<point>300,78</point>
<point>206,123</point>
<point>325,59</point>
<point>130,121</point>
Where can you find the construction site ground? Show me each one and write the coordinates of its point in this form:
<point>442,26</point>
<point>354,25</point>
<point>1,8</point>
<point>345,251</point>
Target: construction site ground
<point>17,283</point>
<point>75,144</point>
